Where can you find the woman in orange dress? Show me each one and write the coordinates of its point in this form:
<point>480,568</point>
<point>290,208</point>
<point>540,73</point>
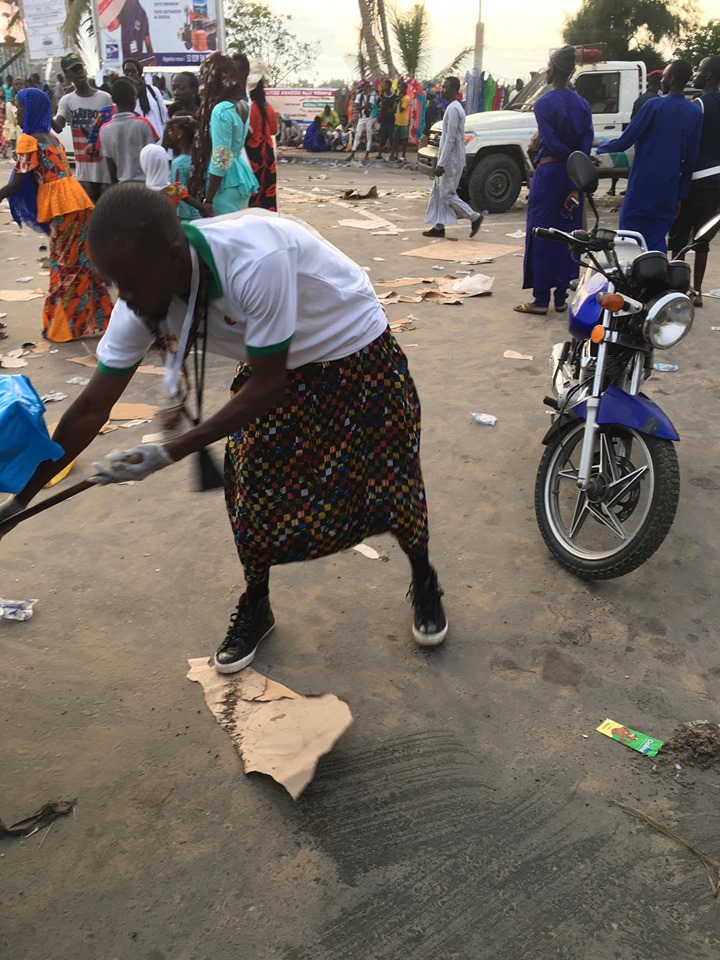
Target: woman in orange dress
<point>43,193</point>
<point>260,146</point>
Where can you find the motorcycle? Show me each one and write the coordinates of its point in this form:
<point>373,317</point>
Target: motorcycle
<point>608,483</point>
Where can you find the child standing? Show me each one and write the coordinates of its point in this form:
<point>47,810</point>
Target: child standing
<point>156,167</point>
<point>180,133</point>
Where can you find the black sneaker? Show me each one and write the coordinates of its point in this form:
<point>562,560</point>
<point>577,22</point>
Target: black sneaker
<point>430,625</point>
<point>434,232</point>
<point>475,226</point>
<point>247,629</point>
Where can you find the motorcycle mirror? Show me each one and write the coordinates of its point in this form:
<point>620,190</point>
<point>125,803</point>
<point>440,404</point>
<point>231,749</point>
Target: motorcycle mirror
<point>582,172</point>
<point>706,228</point>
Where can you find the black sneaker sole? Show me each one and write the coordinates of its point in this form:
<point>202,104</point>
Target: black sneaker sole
<point>239,665</point>
<point>430,639</point>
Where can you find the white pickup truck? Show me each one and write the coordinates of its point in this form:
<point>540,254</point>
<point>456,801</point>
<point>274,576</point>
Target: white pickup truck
<point>496,151</point>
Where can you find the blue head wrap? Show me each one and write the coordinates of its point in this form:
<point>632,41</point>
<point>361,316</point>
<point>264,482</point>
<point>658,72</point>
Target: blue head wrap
<point>37,119</point>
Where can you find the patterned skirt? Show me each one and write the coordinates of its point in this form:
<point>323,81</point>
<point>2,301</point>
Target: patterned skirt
<point>336,461</point>
<point>77,304</point>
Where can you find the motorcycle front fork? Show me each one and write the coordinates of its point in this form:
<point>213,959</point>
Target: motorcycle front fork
<point>587,454</point>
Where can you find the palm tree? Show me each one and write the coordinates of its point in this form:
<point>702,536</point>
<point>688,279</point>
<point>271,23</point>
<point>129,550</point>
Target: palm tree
<point>368,42</point>
<point>412,33</point>
<point>78,22</point>
<point>382,19</point>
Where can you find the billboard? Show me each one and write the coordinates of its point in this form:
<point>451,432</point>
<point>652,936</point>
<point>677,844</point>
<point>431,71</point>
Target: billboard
<point>11,24</point>
<point>301,104</point>
<point>161,33</point>
<point>43,22</point>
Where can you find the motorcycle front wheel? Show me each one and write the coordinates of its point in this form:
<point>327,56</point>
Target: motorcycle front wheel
<point>627,513</point>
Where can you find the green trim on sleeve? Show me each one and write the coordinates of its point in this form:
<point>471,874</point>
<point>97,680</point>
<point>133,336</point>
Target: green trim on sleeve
<point>269,351</point>
<point>115,371</point>
<point>197,238</point>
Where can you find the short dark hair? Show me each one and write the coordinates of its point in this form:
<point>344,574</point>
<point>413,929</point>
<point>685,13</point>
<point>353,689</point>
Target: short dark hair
<point>713,67</point>
<point>123,92</point>
<point>131,211</point>
<point>453,83</point>
<point>680,72</point>
<point>242,63</point>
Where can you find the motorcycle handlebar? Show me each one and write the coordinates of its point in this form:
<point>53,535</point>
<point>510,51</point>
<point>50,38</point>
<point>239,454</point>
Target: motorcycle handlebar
<point>550,233</point>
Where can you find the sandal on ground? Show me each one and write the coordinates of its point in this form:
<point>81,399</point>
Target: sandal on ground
<point>531,308</point>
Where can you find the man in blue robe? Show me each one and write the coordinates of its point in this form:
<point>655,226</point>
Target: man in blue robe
<point>564,122</point>
<point>666,133</point>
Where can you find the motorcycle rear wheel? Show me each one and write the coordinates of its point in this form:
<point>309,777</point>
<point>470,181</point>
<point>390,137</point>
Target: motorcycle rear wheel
<point>627,517</point>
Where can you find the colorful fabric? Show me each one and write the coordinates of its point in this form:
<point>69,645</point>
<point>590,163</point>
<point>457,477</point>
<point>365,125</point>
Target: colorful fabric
<point>228,132</point>
<point>338,460</point>
<point>58,192</point>
<point>400,133</point>
<point>77,304</point>
<point>176,193</point>
<point>180,173</point>
<point>261,154</point>
<point>80,114</point>
<point>38,110</point>
<point>402,114</point>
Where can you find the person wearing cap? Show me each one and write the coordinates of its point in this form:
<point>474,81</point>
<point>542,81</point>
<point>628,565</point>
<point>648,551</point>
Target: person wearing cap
<point>80,108</point>
<point>564,122</point>
<point>654,82</point>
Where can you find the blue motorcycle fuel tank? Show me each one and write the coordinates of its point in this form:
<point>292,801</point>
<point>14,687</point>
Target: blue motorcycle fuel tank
<point>585,311</point>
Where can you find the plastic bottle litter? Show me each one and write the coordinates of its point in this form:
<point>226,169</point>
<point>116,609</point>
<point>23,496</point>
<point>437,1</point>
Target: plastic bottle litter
<point>16,609</point>
<point>486,419</point>
<point>666,367</point>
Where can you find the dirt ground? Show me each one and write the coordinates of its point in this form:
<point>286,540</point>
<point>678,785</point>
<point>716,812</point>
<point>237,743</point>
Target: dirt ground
<point>464,816</point>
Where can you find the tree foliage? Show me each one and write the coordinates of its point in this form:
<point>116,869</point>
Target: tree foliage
<point>412,35</point>
<point>628,26</point>
<point>253,29</point>
<point>700,42</point>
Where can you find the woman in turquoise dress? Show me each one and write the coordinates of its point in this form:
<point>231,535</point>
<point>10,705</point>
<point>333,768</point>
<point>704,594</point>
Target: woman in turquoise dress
<point>220,171</point>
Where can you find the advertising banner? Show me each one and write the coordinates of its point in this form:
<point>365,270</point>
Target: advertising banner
<point>43,22</point>
<point>301,104</point>
<point>11,24</point>
<point>159,33</point>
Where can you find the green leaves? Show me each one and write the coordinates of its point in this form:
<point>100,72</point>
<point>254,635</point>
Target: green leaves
<point>258,32</point>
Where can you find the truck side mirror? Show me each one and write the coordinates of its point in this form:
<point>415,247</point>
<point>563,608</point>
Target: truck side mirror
<point>582,172</point>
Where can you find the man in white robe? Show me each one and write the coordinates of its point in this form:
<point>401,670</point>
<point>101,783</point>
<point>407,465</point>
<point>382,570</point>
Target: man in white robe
<point>445,205</point>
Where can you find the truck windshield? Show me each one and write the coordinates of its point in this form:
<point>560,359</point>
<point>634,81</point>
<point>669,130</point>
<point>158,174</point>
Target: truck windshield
<point>535,88</point>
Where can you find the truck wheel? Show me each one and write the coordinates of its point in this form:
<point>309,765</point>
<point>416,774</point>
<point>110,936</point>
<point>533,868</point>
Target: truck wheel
<point>495,183</point>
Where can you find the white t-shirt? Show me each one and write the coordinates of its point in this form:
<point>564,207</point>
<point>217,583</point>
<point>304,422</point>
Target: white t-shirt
<point>282,287</point>
<point>80,113</point>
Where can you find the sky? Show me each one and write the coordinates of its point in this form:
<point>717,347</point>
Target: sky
<point>518,33</point>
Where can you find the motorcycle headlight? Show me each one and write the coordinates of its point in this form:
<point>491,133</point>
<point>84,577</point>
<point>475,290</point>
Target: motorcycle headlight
<point>669,319</point>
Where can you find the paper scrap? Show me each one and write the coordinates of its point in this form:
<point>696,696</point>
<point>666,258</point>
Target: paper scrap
<point>370,194</point>
<point>477,285</point>
<point>79,381</point>
<point>407,323</point>
<point>11,363</point>
<point>367,551</point>
<point>517,235</point>
<point>42,346</point>
<point>20,295</point>
<point>134,423</point>
<point>54,397</point>
<point>20,610</point>
<point>153,438</point>
<point>641,742</point>
<point>461,251</point>
<point>89,360</point>
<point>403,282</point>
<point>23,280</point>
<point>367,225</point>
<point>275,730</point>
<point>514,355</point>
<point>151,368</point>
<point>133,411</point>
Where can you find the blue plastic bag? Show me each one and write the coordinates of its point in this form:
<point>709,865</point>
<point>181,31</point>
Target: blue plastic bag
<point>24,440</point>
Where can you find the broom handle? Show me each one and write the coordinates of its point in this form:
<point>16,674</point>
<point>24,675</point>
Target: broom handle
<point>46,504</point>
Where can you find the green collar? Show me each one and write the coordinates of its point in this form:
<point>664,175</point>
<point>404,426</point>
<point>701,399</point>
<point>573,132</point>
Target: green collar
<point>198,240</point>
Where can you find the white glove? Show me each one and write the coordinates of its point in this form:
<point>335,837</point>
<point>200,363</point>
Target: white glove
<point>121,466</point>
<point>8,509</point>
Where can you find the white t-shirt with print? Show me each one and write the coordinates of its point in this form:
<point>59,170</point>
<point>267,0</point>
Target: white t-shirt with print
<point>283,287</point>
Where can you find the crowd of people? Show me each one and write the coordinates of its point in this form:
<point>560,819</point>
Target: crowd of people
<point>209,154</point>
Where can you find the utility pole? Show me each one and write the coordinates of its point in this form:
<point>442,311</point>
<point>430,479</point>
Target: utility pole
<point>479,40</point>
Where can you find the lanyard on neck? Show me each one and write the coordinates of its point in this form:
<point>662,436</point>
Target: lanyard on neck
<point>174,362</point>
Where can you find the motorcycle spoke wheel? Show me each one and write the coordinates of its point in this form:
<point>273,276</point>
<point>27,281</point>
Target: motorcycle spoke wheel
<point>621,520</point>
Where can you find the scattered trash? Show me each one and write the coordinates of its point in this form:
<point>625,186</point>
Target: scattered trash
<point>133,411</point>
<point>403,282</point>
<point>517,235</point>
<point>712,866</point>
<point>678,766</point>
<point>407,323</point>
<point>369,552</point>
<point>486,419</point>
<point>666,367</point>
<point>153,438</point>
<point>319,176</point>
<point>23,280</point>
<point>134,423</point>
<point>631,738</point>
<point>514,355</point>
<point>437,267</point>
<point>695,744</point>
<point>20,610</point>
<point>477,285</point>
<point>463,273</point>
<point>43,818</point>
<point>379,259</point>
<point>461,251</point>
<point>2,316</point>
<point>370,194</point>
<point>17,296</point>
<point>714,329</point>
<point>79,381</point>
<point>42,248</point>
<point>275,730</point>
<point>54,397</point>
<point>10,362</point>
<point>88,360</point>
<point>9,259</point>
<point>714,293</point>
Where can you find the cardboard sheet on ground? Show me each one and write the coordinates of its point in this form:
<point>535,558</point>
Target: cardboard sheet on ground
<point>275,730</point>
<point>133,411</point>
<point>90,360</point>
<point>20,295</point>
<point>403,282</point>
<point>461,251</point>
